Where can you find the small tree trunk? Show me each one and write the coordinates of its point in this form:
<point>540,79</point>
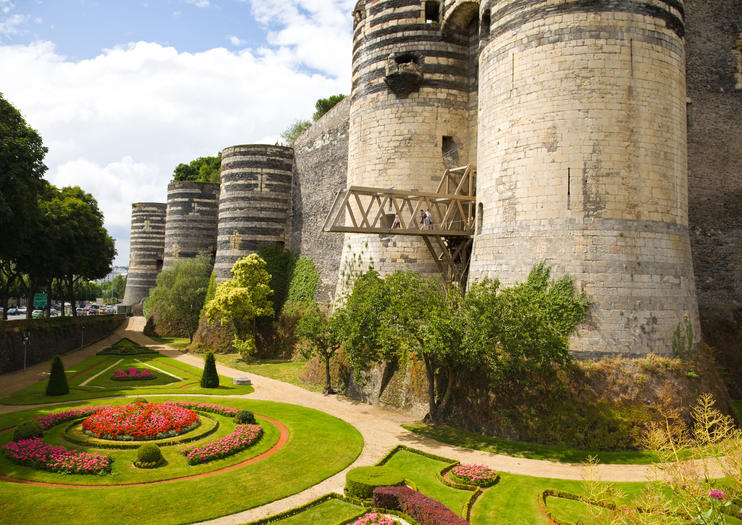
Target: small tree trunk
<point>32,287</point>
<point>449,390</point>
<point>71,292</point>
<point>432,416</point>
<point>48,312</point>
<point>328,382</point>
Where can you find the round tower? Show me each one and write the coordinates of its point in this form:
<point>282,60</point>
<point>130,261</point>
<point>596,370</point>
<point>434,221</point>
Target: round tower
<point>254,202</point>
<point>413,102</point>
<point>582,162</point>
<point>146,251</point>
<point>192,219</point>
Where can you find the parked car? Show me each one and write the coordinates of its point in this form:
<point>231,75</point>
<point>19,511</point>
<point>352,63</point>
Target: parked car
<point>12,310</point>
<point>37,314</point>
<point>21,310</point>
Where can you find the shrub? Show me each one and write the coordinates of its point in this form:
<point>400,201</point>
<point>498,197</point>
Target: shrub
<point>210,378</point>
<point>418,506</point>
<point>149,455</point>
<point>57,385</point>
<point>141,400</point>
<point>360,482</point>
<point>244,417</point>
<point>27,429</point>
<point>479,475</point>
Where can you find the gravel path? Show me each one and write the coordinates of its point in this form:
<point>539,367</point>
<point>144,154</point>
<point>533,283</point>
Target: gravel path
<point>381,429</point>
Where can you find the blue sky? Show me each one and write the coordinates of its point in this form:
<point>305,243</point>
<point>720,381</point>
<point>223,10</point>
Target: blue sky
<point>122,91</point>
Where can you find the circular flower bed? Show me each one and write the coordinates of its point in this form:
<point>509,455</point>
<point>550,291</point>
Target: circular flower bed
<point>140,422</point>
<point>479,475</point>
<point>374,518</point>
<point>133,374</point>
<point>244,436</point>
<point>36,453</point>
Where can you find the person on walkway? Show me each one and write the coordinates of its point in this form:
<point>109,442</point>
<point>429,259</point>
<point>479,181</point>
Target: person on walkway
<point>423,219</point>
<point>395,224</point>
<point>429,217</point>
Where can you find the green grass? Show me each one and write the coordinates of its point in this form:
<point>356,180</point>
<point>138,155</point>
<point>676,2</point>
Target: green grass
<point>102,387</point>
<point>329,512</point>
<point>179,343</point>
<point>319,446</point>
<point>286,371</point>
<point>463,438</point>
<point>422,470</point>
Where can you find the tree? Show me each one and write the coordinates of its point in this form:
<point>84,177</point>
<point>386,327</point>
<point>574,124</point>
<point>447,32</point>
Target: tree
<point>324,105</point>
<point>210,377</point>
<point>321,336</point>
<point>290,134</point>
<point>179,293</point>
<point>21,180</point>
<point>203,169</point>
<point>241,300</point>
<point>57,385</point>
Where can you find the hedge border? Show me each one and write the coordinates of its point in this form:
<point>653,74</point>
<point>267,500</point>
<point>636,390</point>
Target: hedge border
<point>128,445</point>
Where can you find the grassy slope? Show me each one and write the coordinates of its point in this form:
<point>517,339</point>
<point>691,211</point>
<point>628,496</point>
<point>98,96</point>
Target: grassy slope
<point>319,445</point>
<point>286,371</point>
<point>90,367</point>
<point>329,512</point>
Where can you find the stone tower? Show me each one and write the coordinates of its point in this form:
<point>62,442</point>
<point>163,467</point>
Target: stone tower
<point>146,250</point>
<point>192,217</point>
<point>582,161</point>
<point>412,101</point>
<point>254,203</point>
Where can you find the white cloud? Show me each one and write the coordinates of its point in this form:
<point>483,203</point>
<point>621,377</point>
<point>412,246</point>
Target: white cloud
<point>6,6</point>
<point>235,41</point>
<point>118,124</point>
<point>199,3</point>
<point>12,25</point>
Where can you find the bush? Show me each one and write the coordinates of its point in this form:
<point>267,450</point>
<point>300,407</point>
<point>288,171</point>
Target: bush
<point>210,378</point>
<point>360,482</point>
<point>244,417</point>
<point>57,385</point>
<point>27,430</point>
<point>149,455</point>
<point>416,505</point>
<point>141,400</point>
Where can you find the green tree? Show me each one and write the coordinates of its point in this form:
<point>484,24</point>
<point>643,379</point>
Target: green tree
<point>203,169</point>
<point>21,180</point>
<point>321,336</point>
<point>241,300</point>
<point>324,105</point>
<point>119,286</point>
<point>179,293</point>
<point>290,134</point>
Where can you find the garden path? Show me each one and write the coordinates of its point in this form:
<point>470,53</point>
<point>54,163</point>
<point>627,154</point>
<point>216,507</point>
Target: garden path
<point>381,429</point>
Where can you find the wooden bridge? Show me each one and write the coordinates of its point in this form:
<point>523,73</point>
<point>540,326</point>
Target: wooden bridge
<point>361,209</point>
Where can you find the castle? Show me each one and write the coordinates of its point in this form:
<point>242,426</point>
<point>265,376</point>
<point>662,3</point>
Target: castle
<point>606,136</point>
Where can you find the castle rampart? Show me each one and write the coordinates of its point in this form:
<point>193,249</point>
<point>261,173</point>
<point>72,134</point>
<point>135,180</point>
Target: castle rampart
<point>254,203</point>
<point>192,219</point>
<point>146,251</point>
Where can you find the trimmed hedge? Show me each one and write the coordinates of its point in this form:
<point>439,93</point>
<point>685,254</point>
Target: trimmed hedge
<point>57,385</point>
<point>417,505</point>
<point>360,482</point>
<point>245,417</point>
<point>149,455</point>
<point>210,378</point>
<point>27,430</point>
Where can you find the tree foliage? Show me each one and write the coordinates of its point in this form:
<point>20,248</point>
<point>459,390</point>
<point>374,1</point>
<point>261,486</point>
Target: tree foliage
<point>290,134</point>
<point>180,291</point>
<point>57,385</point>
<point>241,300</point>
<point>321,336</point>
<point>324,105</point>
<point>513,332</point>
<point>203,169</point>
<point>210,377</point>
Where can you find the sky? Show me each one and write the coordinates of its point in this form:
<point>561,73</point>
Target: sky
<point>122,91</point>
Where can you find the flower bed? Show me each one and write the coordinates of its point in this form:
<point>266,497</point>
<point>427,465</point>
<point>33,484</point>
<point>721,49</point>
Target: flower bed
<point>133,373</point>
<point>140,422</point>
<point>205,407</point>
<point>478,475</point>
<point>37,454</point>
<point>417,505</point>
<point>374,518</point>
<point>244,436</point>
<point>49,420</point>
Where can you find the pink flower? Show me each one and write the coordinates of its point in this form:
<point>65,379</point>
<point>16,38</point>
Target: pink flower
<point>716,494</point>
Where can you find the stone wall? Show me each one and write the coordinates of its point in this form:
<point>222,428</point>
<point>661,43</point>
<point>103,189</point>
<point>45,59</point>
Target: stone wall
<point>320,172</point>
<point>715,148</point>
<point>48,337</point>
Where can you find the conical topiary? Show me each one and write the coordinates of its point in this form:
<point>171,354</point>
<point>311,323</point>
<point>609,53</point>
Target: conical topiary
<point>57,385</point>
<point>210,379</point>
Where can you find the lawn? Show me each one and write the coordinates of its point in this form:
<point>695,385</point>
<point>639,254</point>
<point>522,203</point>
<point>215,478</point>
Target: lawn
<point>319,445</point>
<point>85,385</point>
<point>463,438</point>
<point>179,343</point>
<point>286,371</point>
